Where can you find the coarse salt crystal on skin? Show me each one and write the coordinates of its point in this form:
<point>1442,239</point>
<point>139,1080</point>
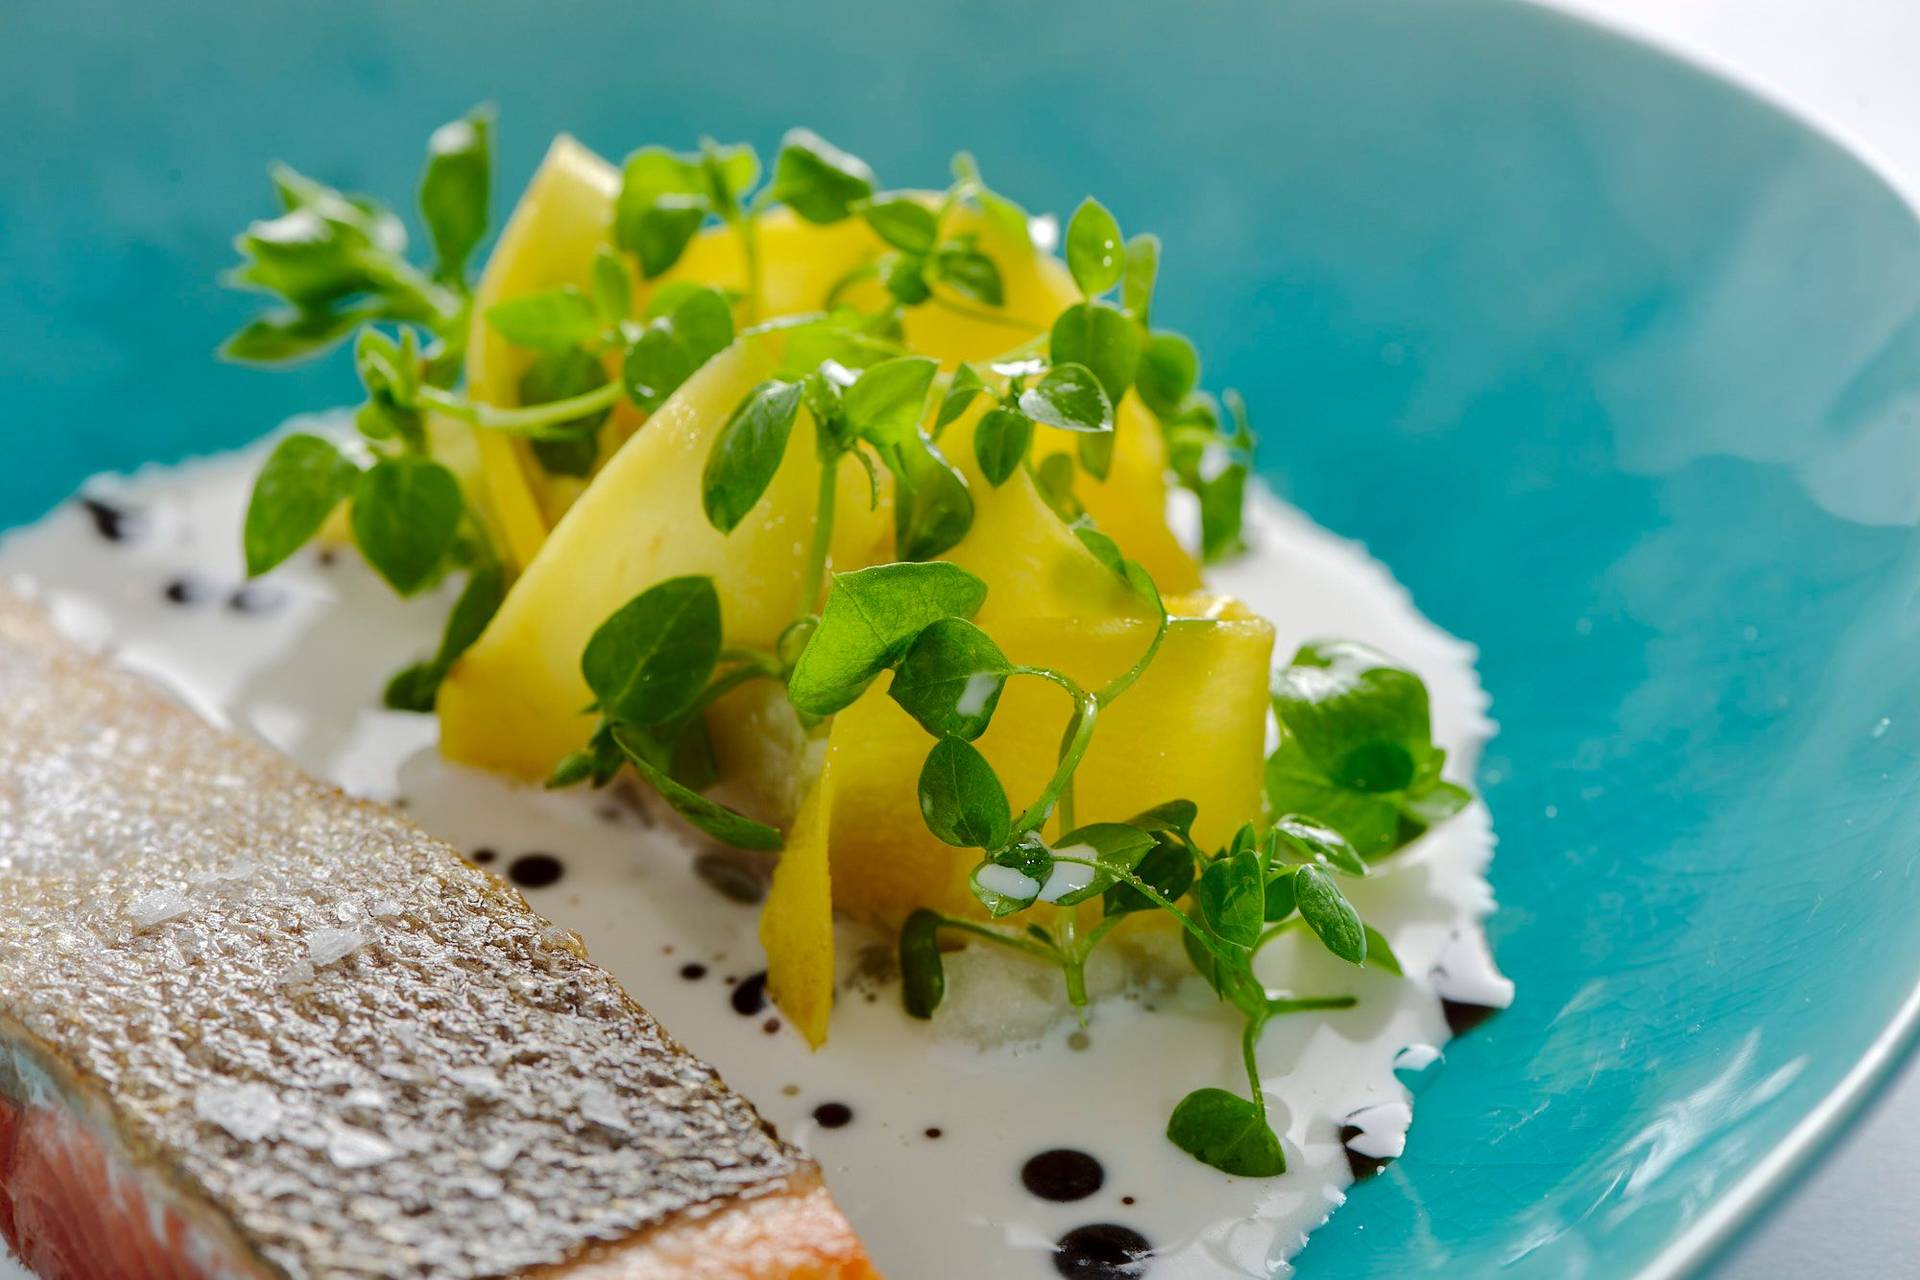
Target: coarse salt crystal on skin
<point>325,946</point>
<point>250,1112</point>
<point>158,907</point>
<point>598,1104</point>
<point>358,1149</point>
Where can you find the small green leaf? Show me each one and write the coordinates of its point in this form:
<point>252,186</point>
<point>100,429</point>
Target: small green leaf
<point>1228,1132</point>
<point>816,179</point>
<point>1000,441</point>
<point>1117,846</point>
<point>1014,878</point>
<point>1094,251</point>
<point>886,403</point>
<point>872,615</point>
<point>1070,397</point>
<point>1143,268</point>
<point>1232,898</point>
<point>727,174</point>
<point>903,222</point>
<point>966,384</point>
<point>551,320</point>
<point>961,797</point>
<point>718,821</point>
<point>1295,784</point>
<point>1094,449</point>
<point>1167,867</point>
<point>923,977</point>
<point>302,481</point>
<point>648,662</point>
<point>1103,548</point>
<point>969,273</point>
<point>612,291</point>
<point>1329,914</point>
<point>932,506</point>
<point>1379,953</point>
<point>905,277</point>
<point>950,679</point>
<point>1310,841</point>
<point>1168,370</point>
<point>406,514</point>
<point>1103,339</point>
<point>1356,713</point>
<point>747,452</point>
<point>1054,478</point>
<point>702,319</point>
<point>283,337</point>
<point>658,234</point>
<point>417,688</point>
<point>655,365</point>
<point>561,375</point>
<point>1280,895</point>
<point>1174,815</point>
<point>1434,804</point>
<point>455,189</point>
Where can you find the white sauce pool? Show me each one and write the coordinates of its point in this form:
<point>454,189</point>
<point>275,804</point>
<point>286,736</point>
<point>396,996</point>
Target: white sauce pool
<point>305,674</point>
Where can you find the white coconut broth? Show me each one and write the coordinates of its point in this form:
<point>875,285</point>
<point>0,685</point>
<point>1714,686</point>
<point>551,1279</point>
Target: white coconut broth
<point>921,1128</point>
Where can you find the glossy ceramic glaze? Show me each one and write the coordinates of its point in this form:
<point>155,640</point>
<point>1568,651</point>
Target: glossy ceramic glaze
<point>1616,367</point>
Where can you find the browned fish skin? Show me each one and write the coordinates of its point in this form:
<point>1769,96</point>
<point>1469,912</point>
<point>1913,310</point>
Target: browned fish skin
<point>463,1095</point>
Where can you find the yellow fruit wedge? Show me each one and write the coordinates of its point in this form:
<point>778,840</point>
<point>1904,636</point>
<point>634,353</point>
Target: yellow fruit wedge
<point>796,923</point>
<point>559,224</point>
<point>563,219</point>
<point>1193,728</point>
<point>513,702</point>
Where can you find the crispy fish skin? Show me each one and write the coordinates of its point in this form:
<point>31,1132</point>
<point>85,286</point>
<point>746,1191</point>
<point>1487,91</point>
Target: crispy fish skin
<point>463,1094</point>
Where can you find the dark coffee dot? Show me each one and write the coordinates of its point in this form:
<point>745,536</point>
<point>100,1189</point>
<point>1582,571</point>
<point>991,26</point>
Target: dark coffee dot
<point>114,523</point>
<point>1126,1200</point>
<point>833,1115</point>
<point>771,1026</point>
<point>934,1131</point>
<point>1063,1174</point>
<point>1359,1164</point>
<point>484,856</point>
<point>750,994</point>
<point>1102,1251</point>
<point>535,870</point>
<point>256,598</point>
<point>326,557</point>
<point>185,590</point>
<point>693,972</point>
<point>1463,1016</point>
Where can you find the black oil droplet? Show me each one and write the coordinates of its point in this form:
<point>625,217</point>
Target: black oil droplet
<point>256,598</point>
<point>934,1131</point>
<point>1126,1200</point>
<point>535,870</point>
<point>693,972</point>
<point>115,524</point>
<point>483,856</point>
<point>1101,1251</point>
<point>750,994</point>
<point>1063,1174</point>
<point>1359,1164</point>
<point>771,1026</point>
<point>185,589</point>
<point>833,1115</point>
<point>1463,1017</point>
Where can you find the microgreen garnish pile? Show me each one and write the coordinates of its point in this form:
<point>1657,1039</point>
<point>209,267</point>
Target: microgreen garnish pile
<point>1354,778</point>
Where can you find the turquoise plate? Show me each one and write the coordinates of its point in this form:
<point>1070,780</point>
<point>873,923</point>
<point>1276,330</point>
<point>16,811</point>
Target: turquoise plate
<point>1616,366</point>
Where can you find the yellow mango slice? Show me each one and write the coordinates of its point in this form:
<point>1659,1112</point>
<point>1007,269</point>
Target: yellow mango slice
<point>513,702</point>
<point>550,240</point>
<point>563,219</point>
<point>796,922</point>
<point>1193,728</point>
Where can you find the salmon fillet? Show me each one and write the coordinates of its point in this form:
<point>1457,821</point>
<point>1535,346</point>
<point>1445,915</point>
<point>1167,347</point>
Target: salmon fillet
<point>250,1027</point>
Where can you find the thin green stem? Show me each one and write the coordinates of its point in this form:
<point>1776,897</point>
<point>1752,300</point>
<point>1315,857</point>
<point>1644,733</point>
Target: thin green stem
<point>982,314</point>
<point>1309,1004</point>
<point>816,575</point>
<point>1125,680</point>
<point>1079,736</point>
<point>865,271</point>
<point>535,422</point>
<point>1024,945</point>
<point>1249,1043</point>
<point>747,225</point>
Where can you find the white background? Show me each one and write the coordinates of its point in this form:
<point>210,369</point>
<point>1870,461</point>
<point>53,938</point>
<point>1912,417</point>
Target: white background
<point>1852,67</point>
